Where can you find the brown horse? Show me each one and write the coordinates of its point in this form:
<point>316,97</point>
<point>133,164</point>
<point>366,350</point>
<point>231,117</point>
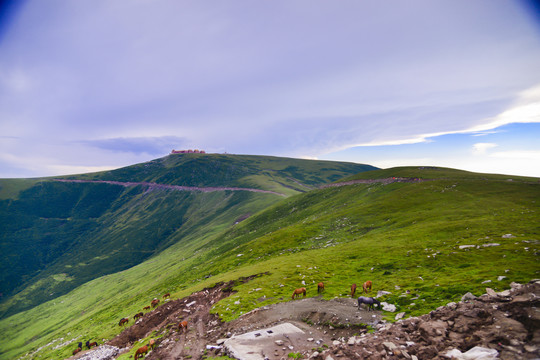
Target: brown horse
<point>90,344</point>
<point>154,303</point>
<point>297,292</point>
<point>353,290</point>
<point>182,326</point>
<point>166,295</point>
<point>123,321</point>
<point>367,285</point>
<point>152,343</point>
<point>139,315</point>
<point>146,308</point>
<point>140,351</point>
<point>320,287</point>
<point>76,350</point>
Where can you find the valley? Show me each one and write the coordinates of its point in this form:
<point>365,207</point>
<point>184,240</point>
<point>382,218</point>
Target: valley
<point>424,236</point>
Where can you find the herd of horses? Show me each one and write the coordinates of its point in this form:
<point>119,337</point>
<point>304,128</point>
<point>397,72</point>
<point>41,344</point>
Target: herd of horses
<point>88,345</point>
<point>366,288</point>
<point>183,325</point>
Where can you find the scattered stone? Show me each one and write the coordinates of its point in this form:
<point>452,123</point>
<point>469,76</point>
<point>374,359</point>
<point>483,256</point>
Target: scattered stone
<point>400,315</point>
<point>103,352</point>
<point>486,282</point>
<point>477,352</point>
<point>388,307</point>
<point>501,278</point>
<point>468,296</point>
<point>491,292</point>
<point>279,342</point>
<point>466,246</point>
<point>508,236</point>
<point>389,346</point>
<point>382,293</point>
<point>491,245</point>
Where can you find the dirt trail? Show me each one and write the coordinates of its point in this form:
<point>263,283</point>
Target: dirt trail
<point>155,186</point>
<point>506,323</point>
<point>313,315</point>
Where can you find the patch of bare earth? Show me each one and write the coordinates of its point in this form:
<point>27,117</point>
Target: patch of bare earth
<point>507,323</point>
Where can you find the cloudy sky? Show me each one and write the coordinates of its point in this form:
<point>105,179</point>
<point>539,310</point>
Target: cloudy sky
<point>90,85</point>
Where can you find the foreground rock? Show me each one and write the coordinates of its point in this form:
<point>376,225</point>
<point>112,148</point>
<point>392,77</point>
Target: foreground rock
<point>502,325</point>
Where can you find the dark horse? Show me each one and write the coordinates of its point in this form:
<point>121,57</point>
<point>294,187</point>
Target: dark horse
<point>123,321</point>
<point>138,315</point>
<point>90,344</point>
<point>320,287</point>
<point>369,301</point>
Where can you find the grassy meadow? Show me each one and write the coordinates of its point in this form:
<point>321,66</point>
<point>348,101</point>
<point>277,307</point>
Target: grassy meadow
<point>405,237</point>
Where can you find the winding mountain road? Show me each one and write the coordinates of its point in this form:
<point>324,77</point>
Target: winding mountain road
<point>154,186</point>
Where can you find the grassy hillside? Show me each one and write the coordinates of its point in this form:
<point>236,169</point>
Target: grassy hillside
<point>404,236</point>
<point>58,235</point>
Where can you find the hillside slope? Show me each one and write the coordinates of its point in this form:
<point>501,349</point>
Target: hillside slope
<point>60,233</point>
<point>426,235</point>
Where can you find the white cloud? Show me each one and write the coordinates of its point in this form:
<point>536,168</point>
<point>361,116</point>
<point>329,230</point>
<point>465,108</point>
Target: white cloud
<point>533,155</point>
<point>482,148</point>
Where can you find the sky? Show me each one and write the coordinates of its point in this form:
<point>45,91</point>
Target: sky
<point>91,85</point>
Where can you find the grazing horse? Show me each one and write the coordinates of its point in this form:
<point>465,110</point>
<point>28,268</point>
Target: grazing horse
<point>320,287</point>
<point>353,290</point>
<point>154,302</point>
<point>90,344</point>
<point>80,345</point>
<point>297,292</point>
<point>152,343</point>
<point>166,295</point>
<point>369,301</point>
<point>139,315</point>
<point>140,351</point>
<point>146,308</point>
<point>182,326</point>
<point>123,321</point>
<point>77,350</point>
<point>366,286</point>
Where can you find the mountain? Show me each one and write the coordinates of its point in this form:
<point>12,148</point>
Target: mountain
<point>426,235</point>
<point>59,233</point>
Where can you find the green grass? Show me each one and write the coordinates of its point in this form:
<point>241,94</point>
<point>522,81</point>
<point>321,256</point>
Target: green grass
<point>404,235</point>
<point>52,231</point>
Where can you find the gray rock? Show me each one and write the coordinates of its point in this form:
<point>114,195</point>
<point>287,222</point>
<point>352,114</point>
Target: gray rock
<point>388,307</point>
<point>390,346</point>
<point>468,296</point>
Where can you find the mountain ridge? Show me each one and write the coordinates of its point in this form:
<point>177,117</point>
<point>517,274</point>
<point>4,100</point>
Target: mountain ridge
<point>402,235</point>
<point>59,232</point>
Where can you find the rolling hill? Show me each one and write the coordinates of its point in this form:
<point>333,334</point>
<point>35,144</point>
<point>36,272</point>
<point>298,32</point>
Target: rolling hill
<point>426,235</point>
<point>59,233</point>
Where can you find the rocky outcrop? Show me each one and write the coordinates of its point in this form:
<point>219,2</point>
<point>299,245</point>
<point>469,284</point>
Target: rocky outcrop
<point>503,325</point>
